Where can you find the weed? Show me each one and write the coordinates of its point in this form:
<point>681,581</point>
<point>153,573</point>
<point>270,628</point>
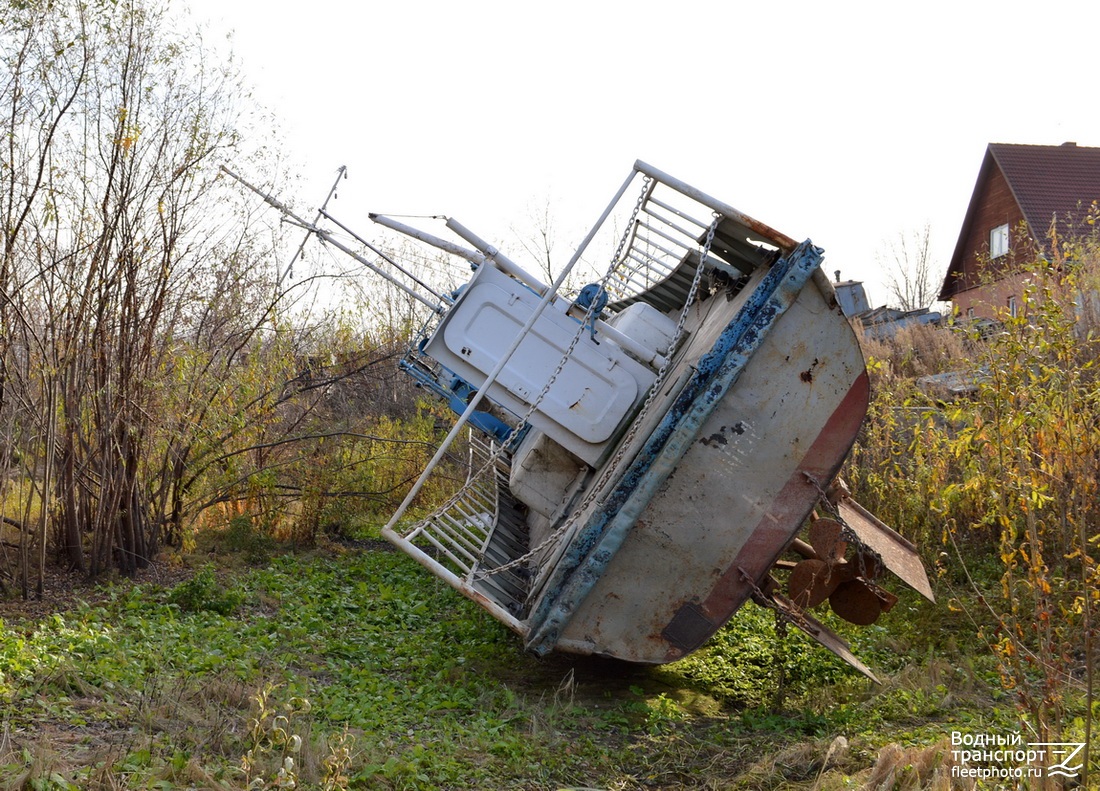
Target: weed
<point>204,592</point>
<point>1000,489</point>
<point>274,747</point>
<point>410,686</point>
<point>338,762</point>
<point>242,535</point>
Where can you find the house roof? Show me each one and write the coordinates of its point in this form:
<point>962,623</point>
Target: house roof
<point>1046,182</point>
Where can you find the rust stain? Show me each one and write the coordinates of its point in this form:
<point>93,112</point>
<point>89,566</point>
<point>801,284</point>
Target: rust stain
<point>822,460</point>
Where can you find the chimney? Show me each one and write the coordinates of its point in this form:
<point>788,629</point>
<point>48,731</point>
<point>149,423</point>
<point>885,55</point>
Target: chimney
<point>837,275</point>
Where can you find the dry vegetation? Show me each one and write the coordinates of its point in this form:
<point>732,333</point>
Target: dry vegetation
<point>162,389</point>
<point>158,375</point>
<point>1001,478</point>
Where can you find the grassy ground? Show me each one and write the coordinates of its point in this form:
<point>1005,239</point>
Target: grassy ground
<point>356,669</point>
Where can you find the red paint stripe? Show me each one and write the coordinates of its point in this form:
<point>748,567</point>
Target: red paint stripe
<point>791,506</point>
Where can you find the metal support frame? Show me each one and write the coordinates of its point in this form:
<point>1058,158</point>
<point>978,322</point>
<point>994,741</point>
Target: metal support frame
<point>327,237</point>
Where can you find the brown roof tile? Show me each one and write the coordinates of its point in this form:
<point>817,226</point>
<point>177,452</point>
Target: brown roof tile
<point>1049,181</point>
<point>1046,182</point>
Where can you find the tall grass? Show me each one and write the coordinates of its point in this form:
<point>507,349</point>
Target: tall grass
<point>1000,486</point>
<point>899,459</point>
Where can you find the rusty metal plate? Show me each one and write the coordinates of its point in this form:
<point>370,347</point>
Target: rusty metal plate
<point>898,554</point>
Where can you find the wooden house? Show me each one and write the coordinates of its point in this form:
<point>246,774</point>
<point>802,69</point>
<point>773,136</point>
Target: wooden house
<point>1022,194</point>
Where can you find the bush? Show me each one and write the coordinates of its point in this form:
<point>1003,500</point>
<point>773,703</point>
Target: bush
<point>243,536</point>
<point>1008,479</point>
<point>204,592</point>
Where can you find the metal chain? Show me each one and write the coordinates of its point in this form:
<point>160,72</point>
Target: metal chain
<point>492,462</point>
<point>614,264</point>
<point>794,617</point>
<point>847,533</point>
<point>613,463</point>
<point>591,309</point>
<point>616,258</point>
<point>704,254</point>
<point>663,371</point>
<point>566,356</point>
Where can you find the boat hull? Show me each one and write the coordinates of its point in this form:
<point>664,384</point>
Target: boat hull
<point>745,480</point>
<point>638,536</point>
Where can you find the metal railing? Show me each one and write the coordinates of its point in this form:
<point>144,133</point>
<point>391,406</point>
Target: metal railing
<point>478,531</point>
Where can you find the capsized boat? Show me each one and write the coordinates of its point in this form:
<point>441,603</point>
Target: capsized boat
<point>648,450</point>
<point>654,445</point>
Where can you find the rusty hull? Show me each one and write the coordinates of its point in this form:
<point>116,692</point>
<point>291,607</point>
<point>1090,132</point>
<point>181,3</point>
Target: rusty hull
<point>733,500</point>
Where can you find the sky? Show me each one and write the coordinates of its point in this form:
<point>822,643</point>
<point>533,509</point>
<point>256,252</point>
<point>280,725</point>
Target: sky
<point>849,123</point>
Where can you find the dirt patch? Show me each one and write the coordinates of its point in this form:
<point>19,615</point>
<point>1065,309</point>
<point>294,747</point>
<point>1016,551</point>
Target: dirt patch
<point>63,589</point>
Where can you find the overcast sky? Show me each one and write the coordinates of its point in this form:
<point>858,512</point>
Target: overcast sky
<point>848,123</point>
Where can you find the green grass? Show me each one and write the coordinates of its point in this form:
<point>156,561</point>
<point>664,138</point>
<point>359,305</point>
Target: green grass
<point>365,672</point>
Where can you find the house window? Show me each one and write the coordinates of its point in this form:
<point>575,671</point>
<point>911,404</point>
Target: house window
<point>998,241</point>
<point>1012,307</point>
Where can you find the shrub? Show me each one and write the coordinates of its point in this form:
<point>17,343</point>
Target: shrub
<point>243,536</point>
<point>1008,479</point>
<point>1029,458</point>
<point>204,592</point>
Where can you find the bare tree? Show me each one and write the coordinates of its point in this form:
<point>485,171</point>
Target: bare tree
<point>113,226</point>
<point>912,272</point>
<point>539,239</point>
<point>153,367</point>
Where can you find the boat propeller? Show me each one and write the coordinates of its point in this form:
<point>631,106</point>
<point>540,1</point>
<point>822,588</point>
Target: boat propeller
<point>825,573</point>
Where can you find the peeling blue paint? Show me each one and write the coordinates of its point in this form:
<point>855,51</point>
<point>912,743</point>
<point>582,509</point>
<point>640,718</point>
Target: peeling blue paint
<point>595,544</point>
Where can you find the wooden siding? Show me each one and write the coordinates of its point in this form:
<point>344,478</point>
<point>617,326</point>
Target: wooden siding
<point>986,284</point>
<point>995,206</point>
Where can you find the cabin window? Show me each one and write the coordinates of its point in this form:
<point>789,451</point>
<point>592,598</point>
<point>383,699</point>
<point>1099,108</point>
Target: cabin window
<point>1012,307</point>
<point>998,241</point>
